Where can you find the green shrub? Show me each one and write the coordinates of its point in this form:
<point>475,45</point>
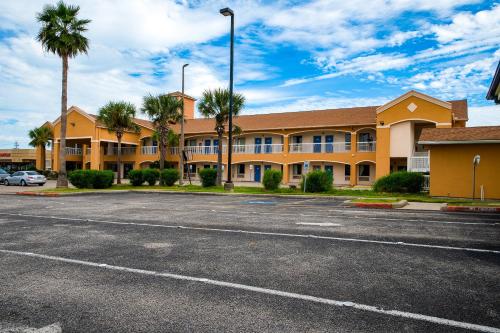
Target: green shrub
<point>136,177</point>
<point>91,178</point>
<point>151,176</point>
<point>169,176</point>
<point>208,177</point>
<point>103,179</point>
<point>317,181</point>
<point>272,179</point>
<point>400,182</point>
<point>79,179</point>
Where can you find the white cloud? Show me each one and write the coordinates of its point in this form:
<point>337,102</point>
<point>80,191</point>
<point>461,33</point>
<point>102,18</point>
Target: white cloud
<point>484,115</point>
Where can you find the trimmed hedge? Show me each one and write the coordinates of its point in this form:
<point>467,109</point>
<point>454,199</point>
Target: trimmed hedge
<point>272,179</point>
<point>136,177</point>
<point>400,182</point>
<point>317,181</point>
<point>150,176</point>
<point>169,176</point>
<point>91,178</point>
<point>208,177</point>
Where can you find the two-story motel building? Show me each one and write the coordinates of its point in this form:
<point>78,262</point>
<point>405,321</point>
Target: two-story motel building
<point>357,145</point>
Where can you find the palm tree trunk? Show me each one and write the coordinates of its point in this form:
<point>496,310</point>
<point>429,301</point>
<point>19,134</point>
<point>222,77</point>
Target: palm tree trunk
<point>219,160</point>
<point>119,160</point>
<point>62,179</point>
<point>43,157</point>
<point>163,150</point>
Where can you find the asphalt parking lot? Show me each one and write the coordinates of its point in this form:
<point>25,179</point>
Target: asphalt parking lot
<point>196,263</point>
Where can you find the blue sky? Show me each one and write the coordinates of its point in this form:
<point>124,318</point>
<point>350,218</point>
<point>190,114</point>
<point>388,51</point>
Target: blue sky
<point>290,55</point>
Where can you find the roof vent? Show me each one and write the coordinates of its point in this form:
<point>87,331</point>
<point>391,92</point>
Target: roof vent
<point>412,107</point>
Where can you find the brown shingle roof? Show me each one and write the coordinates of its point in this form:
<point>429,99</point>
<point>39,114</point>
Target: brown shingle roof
<point>301,119</point>
<point>459,134</point>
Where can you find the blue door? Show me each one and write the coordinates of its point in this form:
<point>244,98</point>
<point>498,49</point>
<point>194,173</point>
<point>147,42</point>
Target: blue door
<point>258,145</point>
<point>207,146</point>
<point>216,146</point>
<point>268,148</point>
<point>329,143</point>
<point>256,173</point>
<point>317,144</point>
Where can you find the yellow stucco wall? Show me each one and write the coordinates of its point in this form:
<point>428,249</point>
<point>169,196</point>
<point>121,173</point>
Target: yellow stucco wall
<point>451,170</point>
<point>426,111</point>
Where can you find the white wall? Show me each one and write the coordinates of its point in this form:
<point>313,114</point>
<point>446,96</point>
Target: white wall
<point>402,139</point>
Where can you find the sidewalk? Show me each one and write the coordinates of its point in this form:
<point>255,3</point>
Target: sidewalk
<point>424,206</point>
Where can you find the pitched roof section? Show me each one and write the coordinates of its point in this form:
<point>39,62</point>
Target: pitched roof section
<point>179,94</point>
<point>460,135</point>
<point>459,109</point>
<point>291,120</point>
<point>415,94</point>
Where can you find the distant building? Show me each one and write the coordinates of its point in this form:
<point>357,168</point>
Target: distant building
<point>20,159</point>
<point>494,91</point>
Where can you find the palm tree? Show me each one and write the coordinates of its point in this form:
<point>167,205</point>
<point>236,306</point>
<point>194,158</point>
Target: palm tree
<point>215,104</point>
<point>40,137</point>
<point>163,110</point>
<point>118,117</point>
<point>61,34</point>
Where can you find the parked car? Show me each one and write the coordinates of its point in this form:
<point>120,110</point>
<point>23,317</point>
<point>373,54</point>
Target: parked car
<point>3,174</point>
<point>25,178</point>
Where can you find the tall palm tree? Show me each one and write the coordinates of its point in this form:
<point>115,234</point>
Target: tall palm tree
<point>163,110</point>
<point>61,34</point>
<point>215,104</point>
<point>118,117</point>
<point>40,137</point>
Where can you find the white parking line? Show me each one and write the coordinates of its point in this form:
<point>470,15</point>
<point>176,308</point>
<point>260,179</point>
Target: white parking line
<point>308,298</point>
<point>277,234</point>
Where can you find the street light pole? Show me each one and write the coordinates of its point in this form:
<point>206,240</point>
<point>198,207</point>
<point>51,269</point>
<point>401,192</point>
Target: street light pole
<point>182,131</point>
<point>475,162</point>
<point>229,184</point>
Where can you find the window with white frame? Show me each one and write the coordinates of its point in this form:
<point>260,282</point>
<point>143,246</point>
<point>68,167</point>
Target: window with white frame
<point>241,171</point>
<point>364,172</point>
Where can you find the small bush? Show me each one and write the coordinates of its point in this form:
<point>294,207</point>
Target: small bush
<point>103,179</point>
<point>81,178</point>
<point>400,182</point>
<point>169,176</point>
<point>318,181</point>
<point>208,177</point>
<point>151,176</point>
<point>91,178</point>
<point>136,177</point>
<point>272,179</point>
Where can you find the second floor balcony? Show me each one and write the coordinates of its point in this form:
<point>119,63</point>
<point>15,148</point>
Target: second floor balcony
<point>124,151</point>
<point>333,147</point>
<point>367,146</point>
<point>73,151</point>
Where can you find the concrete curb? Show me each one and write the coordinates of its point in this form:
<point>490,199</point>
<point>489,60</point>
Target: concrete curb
<point>471,209</point>
<point>270,195</point>
<point>377,205</point>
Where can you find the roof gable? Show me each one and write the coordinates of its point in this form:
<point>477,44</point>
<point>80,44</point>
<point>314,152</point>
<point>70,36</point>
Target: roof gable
<point>78,110</point>
<point>416,94</point>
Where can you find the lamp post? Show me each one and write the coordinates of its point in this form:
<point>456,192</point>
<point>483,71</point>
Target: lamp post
<point>475,162</point>
<point>182,130</point>
<point>229,184</point>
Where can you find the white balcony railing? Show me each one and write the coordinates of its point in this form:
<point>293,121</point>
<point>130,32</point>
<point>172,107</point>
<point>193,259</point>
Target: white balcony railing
<point>258,149</point>
<point>418,163</point>
<point>334,147</point>
<point>124,151</point>
<point>366,146</point>
<point>201,150</point>
<point>73,151</point>
<point>149,150</point>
